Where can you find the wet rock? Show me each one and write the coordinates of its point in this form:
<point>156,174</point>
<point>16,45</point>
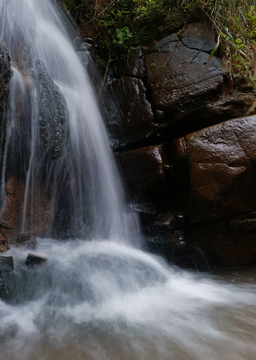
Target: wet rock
<point>221,201</point>
<point>33,259</point>
<point>199,36</point>
<point>128,114</point>
<point>83,44</point>
<point>222,165</point>
<point>225,246</point>
<point>196,115</point>
<point>176,249</point>
<point>52,116</point>
<point>189,90</point>
<point>27,240</point>
<point>38,217</point>
<point>133,65</point>
<point>5,69</point>
<point>143,173</point>
<point>6,264</point>
<point>178,73</point>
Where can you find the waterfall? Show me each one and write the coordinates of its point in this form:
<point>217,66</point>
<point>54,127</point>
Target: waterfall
<point>101,299</point>
<point>56,139</point>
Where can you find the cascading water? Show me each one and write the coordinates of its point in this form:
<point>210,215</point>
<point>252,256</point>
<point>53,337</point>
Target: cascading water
<point>55,124</point>
<point>93,299</point>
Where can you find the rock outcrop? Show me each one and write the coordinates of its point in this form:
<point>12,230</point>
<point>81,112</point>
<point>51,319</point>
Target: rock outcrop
<point>221,202</point>
<point>189,163</point>
<point>5,75</point>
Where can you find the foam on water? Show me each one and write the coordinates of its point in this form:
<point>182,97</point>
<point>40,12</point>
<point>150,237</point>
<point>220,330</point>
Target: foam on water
<point>109,301</point>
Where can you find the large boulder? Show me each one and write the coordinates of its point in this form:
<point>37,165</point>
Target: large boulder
<point>222,165</point>
<point>177,72</point>
<point>221,202</point>
<point>189,89</point>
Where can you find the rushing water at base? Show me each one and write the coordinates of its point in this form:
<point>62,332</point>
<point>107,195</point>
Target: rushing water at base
<point>100,301</point>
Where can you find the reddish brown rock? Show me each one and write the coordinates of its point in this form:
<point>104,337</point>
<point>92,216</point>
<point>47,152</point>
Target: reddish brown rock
<point>143,173</point>
<point>38,217</point>
<point>221,202</point>
<point>222,169</point>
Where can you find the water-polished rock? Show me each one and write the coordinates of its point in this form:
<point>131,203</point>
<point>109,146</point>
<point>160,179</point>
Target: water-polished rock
<point>221,202</point>
<point>129,115</point>
<point>143,173</point>
<point>33,259</point>
<point>222,161</point>
<point>179,73</point>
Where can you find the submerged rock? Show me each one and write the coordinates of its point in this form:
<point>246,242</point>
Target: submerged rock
<point>27,240</point>
<point>6,267</point>
<point>6,264</point>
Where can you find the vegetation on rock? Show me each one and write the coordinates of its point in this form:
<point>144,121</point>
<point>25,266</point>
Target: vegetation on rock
<point>119,25</point>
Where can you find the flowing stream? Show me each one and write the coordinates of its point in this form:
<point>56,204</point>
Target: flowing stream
<point>98,296</point>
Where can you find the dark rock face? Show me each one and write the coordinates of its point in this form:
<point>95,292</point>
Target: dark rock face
<point>5,74</point>
<point>130,117</point>
<point>133,65</point>
<point>199,36</point>
<point>176,160</point>
<point>191,90</point>
<point>178,73</point>
<point>143,173</point>
<point>52,116</point>
<point>221,205</point>
<point>222,165</point>
<point>6,267</point>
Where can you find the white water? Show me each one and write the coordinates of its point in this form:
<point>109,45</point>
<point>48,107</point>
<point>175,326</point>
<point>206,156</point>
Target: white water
<point>42,49</point>
<point>99,299</point>
<point>102,301</point>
